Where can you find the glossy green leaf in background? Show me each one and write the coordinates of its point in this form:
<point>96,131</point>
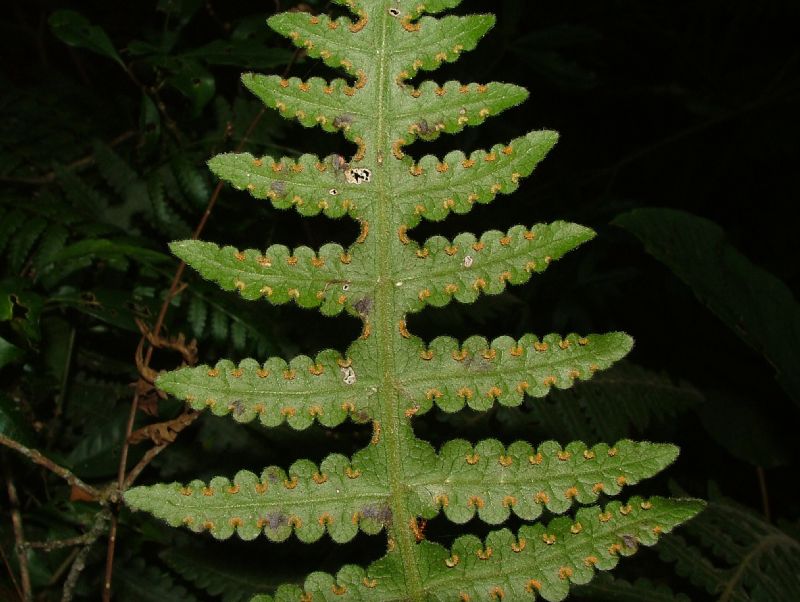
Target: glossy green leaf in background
<point>74,29</point>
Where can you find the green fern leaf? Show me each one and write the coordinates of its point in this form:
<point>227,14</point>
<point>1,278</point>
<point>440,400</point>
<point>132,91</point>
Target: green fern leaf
<point>308,184</point>
<point>389,376</point>
<point>327,388</point>
<point>428,43</point>
<point>477,373</point>
<point>493,481</point>
<point>467,267</point>
<point>339,497</point>
<point>539,560</point>
<point>325,38</point>
<point>430,110</point>
<point>333,106</point>
<point>279,275</point>
<point>457,182</point>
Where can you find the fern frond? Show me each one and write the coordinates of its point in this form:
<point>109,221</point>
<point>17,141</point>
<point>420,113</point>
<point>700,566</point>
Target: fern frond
<point>457,182</point>
<point>430,42</point>
<point>333,106</point>
<point>493,481</point>
<point>328,39</point>
<point>308,184</point>
<point>539,561</point>
<point>478,373</point>
<point>324,279</point>
<point>389,376</point>
<point>467,267</point>
<point>339,497</point>
<point>430,110</point>
<point>328,388</point>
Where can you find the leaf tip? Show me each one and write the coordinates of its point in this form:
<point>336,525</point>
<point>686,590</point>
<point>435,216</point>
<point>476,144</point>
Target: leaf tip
<point>687,508</point>
<point>180,247</point>
<point>275,22</point>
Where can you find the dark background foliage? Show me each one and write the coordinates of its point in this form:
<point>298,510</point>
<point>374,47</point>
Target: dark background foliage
<point>683,105</point>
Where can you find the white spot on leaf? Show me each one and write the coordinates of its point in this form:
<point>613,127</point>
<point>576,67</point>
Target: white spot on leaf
<point>348,375</point>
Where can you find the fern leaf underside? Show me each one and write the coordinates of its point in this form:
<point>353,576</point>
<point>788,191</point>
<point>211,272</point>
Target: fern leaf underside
<point>389,376</point>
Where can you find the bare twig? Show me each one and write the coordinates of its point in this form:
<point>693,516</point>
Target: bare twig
<point>57,544</point>
<point>38,458</point>
<point>11,574</point>
<point>63,567</point>
<point>173,428</point>
<point>762,486</point>
<point>98,528</point>
<point>163,433</point>
<point>19,539</point>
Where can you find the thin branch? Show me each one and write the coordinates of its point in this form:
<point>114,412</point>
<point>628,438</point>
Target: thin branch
<point>762,486</point>
<point>37,457</point>
<point>187,419</point>
<point>57,544</point>
<point>63,567</point>
<point>19,539</point>
<point>10,572</point>
<point>98,528</point>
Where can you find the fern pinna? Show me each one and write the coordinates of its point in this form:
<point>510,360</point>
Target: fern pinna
<point>389,376</point>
